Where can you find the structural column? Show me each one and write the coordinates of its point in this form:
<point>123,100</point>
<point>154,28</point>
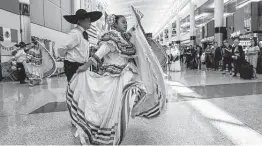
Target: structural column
<point>178,30</point>
<point>76,4</point>
<point>192,24</point>
<point>164,36</point>
<point>220,29</point>
<point>170,29</point>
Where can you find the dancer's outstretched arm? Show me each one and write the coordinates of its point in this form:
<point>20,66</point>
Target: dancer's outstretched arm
<point>96,58</point>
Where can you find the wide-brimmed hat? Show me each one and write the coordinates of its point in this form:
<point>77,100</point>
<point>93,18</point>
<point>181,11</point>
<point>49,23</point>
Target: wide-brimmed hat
<point>82,14</point>
<point>21,45</point>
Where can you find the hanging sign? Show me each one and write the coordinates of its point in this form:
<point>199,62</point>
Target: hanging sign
<point>260,23</point>
<point>24,9</point>
<point>209,39</point>
<point>173,29</point>
<point>7,48</point>
<point>236,34</point>
<point>247,18</point>
<point>6,51</point>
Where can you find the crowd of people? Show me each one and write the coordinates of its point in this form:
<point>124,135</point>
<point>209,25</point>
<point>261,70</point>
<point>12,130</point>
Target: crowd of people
<point>232,59</point>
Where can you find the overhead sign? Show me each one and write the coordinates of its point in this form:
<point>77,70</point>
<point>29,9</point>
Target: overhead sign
<point>236,34</point>
<point>24,9</point>
<point>173,29</point>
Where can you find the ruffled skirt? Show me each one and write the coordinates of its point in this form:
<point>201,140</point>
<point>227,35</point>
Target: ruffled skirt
<point>175,66</point>
<point>101,105</point>
<point>40,65</point>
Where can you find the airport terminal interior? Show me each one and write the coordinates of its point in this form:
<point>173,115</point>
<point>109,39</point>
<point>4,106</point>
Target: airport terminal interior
<point>131,72</point>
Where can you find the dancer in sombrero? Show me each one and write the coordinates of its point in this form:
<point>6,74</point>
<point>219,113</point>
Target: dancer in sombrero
<point>128,82</point>
<point>76,48</point>
<point>34,62</point>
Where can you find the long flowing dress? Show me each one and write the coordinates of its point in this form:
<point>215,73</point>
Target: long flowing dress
<point>159,52</point>
<point>252,55</point>
<point>39,65</point>
<point>129,82</point>
<point>175,65</point>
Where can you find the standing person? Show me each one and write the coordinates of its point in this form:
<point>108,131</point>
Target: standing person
<point>217,56</point>
<point>76,48</point>
<point>208,53</point>
<point>129,83</point>
<point>238,56</point>
<point>189,56</point>
<point>199,54</point>
<point>194,64</point>
<point>227,56</point>
<point>20,57</point>
<point>182,54</point>
<point>259,60</point>
<point>212,56</point>
<point>169,59</point>
<point>175,65</point>
<point>252,54</point>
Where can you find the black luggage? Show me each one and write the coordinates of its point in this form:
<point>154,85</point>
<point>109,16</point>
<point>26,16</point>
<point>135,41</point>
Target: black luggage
<point>193,64</point>
<point>259,64</point>
<point>246,71</point>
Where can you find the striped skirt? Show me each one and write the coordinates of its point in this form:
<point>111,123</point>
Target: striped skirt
<point>102,105</point>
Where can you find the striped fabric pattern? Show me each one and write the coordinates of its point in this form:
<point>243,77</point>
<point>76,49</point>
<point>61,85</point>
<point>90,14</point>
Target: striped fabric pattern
<point>114,135</point>
<point>111,69</point>
<point>124,46</point>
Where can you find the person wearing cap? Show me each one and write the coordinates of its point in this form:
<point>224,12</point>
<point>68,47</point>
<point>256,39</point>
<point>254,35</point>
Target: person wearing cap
<point>76,47</point>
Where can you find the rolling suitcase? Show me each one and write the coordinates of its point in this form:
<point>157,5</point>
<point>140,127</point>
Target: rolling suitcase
<point>259,64</point>
<point>246,71</point>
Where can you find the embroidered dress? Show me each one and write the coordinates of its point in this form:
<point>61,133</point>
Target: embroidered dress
<point>175,63</point>
<point>40,64</point>
<point>128,82</point>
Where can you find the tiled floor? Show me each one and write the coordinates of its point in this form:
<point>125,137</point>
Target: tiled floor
<point>205,108</point>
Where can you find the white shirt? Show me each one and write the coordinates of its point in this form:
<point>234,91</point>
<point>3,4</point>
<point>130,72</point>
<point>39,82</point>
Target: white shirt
<point>20,56</point>
<point>76,47</point>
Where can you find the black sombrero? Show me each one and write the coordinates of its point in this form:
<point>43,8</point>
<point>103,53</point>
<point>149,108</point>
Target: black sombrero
<point>82,14</point>
<point>21,45</point>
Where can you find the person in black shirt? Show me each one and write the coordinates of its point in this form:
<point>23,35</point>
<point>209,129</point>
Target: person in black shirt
<point>238,56</point>
<point>208,56</point>
<point>199,54</point>
<point>189,56</point>
<point>194,58</point>
<point>227,56</point>
<point>181,54</point>
<point>259,60</point>
<point>218,56</point>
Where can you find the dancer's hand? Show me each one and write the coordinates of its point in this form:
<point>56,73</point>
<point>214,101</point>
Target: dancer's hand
<point>82,68</point>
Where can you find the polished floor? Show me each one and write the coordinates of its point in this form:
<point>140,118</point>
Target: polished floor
<point>205,108</point>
